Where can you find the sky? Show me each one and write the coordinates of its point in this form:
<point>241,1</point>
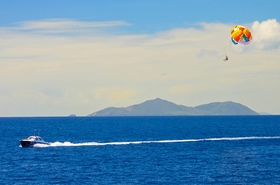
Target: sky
<point>76,57</point>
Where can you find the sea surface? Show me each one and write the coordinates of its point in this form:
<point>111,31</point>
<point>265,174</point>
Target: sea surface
<point>142,150</point>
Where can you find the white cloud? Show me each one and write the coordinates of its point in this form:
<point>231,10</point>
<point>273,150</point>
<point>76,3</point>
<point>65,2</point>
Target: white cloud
<point>266,34</point>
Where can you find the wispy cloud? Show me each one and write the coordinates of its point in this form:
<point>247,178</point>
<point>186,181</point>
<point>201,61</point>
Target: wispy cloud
<point>64,26</point>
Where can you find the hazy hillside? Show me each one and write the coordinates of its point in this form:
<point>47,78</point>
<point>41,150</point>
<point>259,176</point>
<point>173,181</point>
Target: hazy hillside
<point>225,108</point>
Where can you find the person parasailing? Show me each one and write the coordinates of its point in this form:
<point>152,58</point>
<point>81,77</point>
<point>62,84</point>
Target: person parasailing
<point>226,58</point>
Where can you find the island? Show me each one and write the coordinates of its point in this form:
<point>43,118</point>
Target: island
<point>160,107</point>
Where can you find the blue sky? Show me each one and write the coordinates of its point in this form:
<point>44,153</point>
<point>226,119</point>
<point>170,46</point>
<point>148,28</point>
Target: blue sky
<point>64,57</point>
<point>145,16</point>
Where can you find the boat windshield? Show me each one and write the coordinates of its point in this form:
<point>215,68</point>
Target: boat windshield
<point>34,138</point>
<point>39,138</point>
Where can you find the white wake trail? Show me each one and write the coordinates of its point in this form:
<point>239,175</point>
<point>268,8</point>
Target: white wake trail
<point>70,144</point>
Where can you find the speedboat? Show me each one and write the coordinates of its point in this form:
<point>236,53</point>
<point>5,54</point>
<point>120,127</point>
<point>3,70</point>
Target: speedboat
<point>32,140</point>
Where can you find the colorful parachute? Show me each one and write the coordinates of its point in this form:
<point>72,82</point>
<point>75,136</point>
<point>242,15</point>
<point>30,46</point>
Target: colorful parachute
<point>241,35</point>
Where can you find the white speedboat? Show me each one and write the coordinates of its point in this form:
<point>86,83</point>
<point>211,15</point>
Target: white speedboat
<point>32,140</point>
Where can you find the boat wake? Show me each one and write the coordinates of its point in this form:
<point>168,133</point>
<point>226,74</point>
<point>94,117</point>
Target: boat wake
<point>69,144</point>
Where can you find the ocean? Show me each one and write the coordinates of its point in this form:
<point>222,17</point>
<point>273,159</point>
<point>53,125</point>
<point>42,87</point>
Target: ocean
<point>142,150</point>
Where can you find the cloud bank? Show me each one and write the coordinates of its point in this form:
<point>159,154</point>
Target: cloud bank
<point>59,67</point>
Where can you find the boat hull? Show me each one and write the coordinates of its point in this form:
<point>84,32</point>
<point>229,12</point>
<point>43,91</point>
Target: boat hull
<point>31,143</point>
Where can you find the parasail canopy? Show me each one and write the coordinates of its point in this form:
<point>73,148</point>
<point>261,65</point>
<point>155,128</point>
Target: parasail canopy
<point>241,35</point>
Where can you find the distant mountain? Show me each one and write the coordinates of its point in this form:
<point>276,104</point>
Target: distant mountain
<point>159,107</point>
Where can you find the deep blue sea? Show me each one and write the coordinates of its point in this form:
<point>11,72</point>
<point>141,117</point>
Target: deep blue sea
<point>142,150</point>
